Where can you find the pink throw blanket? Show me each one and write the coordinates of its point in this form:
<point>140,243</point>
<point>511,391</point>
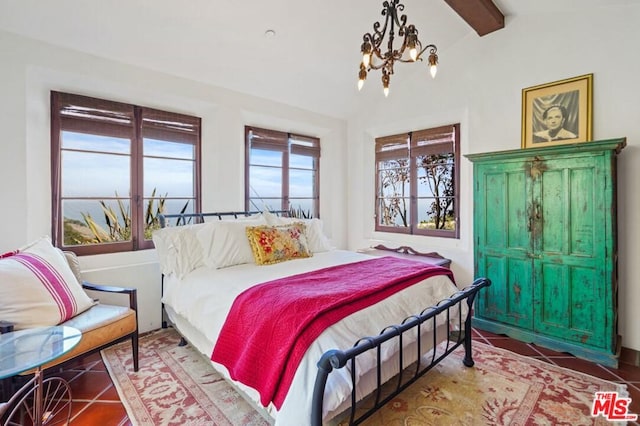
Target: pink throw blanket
<point>271,325</point>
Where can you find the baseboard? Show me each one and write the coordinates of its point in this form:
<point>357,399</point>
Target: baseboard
<point>630,356</point>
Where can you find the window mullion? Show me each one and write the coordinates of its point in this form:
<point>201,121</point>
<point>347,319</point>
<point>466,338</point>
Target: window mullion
<point>285,180</point>
<point>413,181</point>
<point>137,182</point>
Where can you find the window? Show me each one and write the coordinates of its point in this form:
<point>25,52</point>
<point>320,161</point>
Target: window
<point>282,172</point>
<point>416,176</point>
<point>115,167</point>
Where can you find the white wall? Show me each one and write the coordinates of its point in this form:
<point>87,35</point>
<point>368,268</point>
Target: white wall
<point>30,70</point>
<point>479,84</point>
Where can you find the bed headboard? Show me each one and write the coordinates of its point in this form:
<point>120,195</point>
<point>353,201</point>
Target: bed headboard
<point>188,218</point>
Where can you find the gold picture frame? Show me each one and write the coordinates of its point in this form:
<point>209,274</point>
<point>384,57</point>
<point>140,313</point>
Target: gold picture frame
<point>557,113</point>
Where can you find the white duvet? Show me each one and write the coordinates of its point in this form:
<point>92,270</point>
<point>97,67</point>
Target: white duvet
<point>204,296</point>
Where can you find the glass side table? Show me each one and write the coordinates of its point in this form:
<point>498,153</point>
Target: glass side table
<point>39,401</point>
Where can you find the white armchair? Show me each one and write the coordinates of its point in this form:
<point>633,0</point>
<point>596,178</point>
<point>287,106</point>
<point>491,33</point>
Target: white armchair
<point>43,286</point>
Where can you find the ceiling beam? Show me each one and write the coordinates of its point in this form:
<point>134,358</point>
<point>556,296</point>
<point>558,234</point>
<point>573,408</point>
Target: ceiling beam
<point>482,15</point>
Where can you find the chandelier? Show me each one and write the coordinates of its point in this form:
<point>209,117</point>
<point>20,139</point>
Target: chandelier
<point>374,59</point>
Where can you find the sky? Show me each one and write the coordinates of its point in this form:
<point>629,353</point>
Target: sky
<point>99,166</point>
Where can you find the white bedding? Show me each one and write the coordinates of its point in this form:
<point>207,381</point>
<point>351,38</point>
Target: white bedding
<point>204,296</point>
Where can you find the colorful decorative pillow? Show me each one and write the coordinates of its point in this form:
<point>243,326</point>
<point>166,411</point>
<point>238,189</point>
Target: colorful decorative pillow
<point>273,244</point>
<point>316,239</point>
<point>38,288</point>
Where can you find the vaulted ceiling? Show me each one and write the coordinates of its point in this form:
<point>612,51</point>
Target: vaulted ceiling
<point>311,62</point>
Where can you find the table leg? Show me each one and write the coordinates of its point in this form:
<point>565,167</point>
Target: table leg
<point>38,397</point>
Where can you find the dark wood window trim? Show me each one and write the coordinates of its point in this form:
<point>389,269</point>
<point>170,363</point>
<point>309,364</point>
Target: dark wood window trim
<point>407,147</point>
<point>84,114</point>
<point>287,144</point>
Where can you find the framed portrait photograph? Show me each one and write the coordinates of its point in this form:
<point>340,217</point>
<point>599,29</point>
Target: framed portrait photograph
<point>557,113</point>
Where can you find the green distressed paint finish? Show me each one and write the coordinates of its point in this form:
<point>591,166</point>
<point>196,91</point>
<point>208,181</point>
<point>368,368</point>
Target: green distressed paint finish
<point>545,234</point>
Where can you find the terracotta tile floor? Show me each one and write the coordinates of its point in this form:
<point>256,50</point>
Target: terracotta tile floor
<point>96,402</point>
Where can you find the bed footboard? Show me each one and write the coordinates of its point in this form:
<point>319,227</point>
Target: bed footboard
<point>456,336</point>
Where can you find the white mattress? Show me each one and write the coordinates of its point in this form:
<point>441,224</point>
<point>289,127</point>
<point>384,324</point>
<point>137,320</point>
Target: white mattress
<point>203,299</point>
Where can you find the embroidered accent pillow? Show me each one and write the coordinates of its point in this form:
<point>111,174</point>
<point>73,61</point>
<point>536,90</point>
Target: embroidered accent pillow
<point>38,288</point>
<point>273,244</point>
<point>316,239</point>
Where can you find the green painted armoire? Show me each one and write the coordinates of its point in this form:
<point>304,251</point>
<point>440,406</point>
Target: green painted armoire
<point>545,234</point>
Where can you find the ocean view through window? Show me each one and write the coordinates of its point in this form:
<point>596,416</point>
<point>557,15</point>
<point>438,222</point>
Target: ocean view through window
<point>115,167</point>
<point>282,172</point>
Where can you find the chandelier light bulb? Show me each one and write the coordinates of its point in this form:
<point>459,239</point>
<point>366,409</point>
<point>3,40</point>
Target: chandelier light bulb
<point>385,84</point>
<point>433,62</point>
<point>366,53</point>
<point>366,59</point>
<point>362,76</point>
<point>412,42</point>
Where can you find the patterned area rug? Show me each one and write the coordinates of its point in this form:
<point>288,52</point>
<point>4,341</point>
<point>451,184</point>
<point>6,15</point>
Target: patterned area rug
<point>177,386</point>
<point>503,388</point>
<point>174,385</point>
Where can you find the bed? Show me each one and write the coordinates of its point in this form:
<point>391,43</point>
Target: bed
<point>215,269</point>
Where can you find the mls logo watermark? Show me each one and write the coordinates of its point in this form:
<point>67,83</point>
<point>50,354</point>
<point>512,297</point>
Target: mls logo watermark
<point>612,407</point>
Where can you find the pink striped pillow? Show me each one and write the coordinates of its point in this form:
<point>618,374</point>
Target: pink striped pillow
<point>38,288</point>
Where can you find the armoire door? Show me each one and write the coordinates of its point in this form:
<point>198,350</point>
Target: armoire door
<point>503,242</point>
<point>572,230</point>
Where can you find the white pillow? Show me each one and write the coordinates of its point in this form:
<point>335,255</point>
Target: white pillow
<point>316,239</point>
<point>38,288</point>
<point>225,242</point>
<point>205,234</point>
<point>74,264</point>
<point>179,251</point>
<point>272,219</point>
<point>318,242</point>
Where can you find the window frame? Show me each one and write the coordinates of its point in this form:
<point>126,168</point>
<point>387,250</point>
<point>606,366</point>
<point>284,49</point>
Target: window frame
<point>117,119</point>
<point>284,142</point>
<point>406,146</point>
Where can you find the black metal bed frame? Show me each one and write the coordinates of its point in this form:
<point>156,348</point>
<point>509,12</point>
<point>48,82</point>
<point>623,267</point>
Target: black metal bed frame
<point>457,334</point>
<point>200,217</point>
<point>335,359</point>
